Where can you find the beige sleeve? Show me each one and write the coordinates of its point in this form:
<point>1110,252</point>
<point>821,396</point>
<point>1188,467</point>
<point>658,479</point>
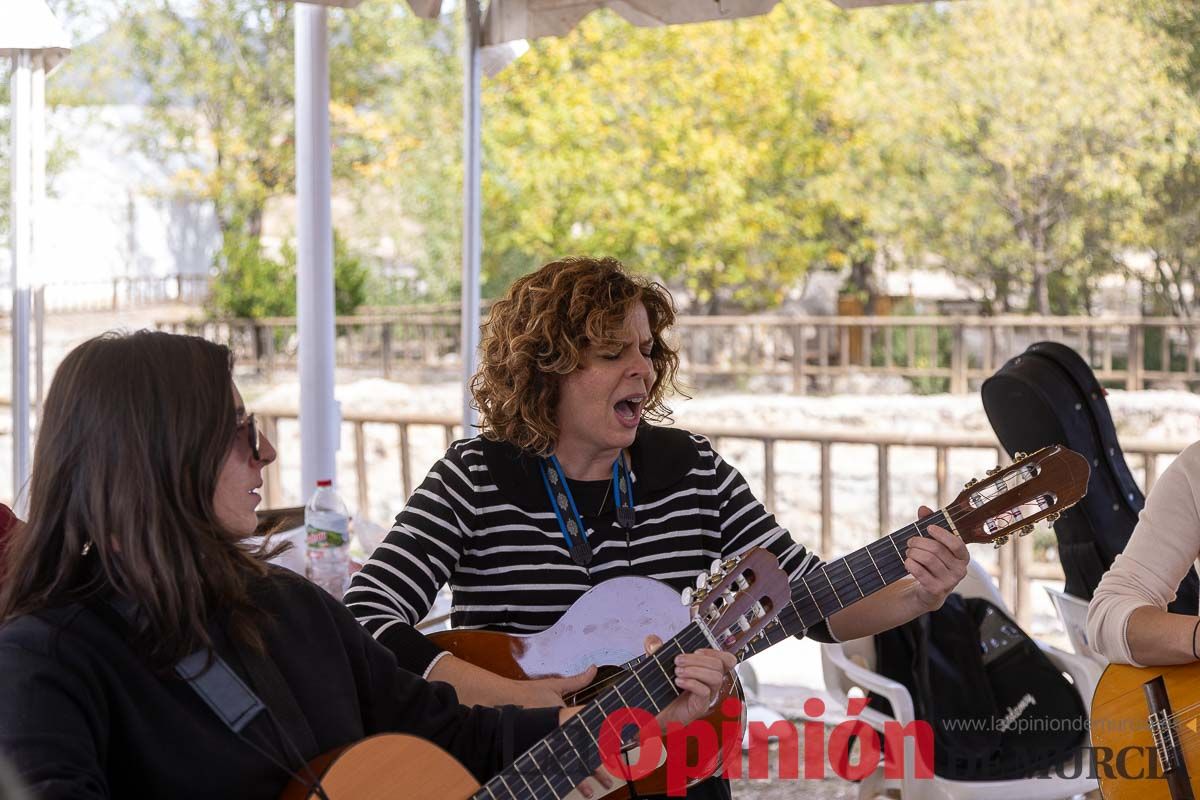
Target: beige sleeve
<point>1163,546</point>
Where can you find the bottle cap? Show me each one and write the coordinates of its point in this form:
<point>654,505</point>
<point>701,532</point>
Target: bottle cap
<point>325,482</point>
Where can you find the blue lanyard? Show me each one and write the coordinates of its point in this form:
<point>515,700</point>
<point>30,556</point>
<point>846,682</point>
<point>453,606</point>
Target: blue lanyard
<point>622,490</point>
<point>561,501</point>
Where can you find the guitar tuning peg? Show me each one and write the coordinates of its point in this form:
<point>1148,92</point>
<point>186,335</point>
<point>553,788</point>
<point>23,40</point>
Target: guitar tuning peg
<point>742,583</point>
<point>1000,541</point>
<point>713,580</point>
<point>702,580</point>
<point>1028,529</point>
<point>685,597</point>
<point>970,483</point>
<point>993,470</point>
<point>1053,518</point>
<point>758,611</point>
<point>1020,456</point>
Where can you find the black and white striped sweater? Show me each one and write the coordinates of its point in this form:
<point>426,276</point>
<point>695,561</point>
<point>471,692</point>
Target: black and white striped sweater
<point>481,520</point>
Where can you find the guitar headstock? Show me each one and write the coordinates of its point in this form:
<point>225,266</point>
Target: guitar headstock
<point>1011,499</point>
<point>738,597</point>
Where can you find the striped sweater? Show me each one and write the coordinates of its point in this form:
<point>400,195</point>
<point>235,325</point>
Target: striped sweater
<point>482,521</point>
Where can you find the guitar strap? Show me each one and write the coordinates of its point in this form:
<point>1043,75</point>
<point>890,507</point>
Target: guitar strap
<point>235,703</point>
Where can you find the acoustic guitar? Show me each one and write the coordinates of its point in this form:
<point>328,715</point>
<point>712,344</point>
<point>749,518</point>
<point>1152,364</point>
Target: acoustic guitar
<point>746,594</point>
<point>608,624</point>
<point>1146,732</point>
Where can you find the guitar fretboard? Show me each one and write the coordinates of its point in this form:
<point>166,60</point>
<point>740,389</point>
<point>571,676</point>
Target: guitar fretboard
<point>824,591</point>
<point>557,764</point>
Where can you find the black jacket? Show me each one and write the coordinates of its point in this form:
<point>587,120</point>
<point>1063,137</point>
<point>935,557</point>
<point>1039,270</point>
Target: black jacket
<point>82,716</point>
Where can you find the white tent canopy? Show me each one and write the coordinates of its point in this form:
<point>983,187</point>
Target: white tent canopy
<point>30,26</point>
<point>511,20</point>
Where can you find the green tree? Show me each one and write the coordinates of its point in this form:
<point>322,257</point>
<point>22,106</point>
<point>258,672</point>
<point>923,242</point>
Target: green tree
<point>219,76</point>
<point>1024,140</point>
<point>219,80</point>
<point>407,189</point>
<point>690,152</point>
<point>251,284</point>
<point>1171,221</point>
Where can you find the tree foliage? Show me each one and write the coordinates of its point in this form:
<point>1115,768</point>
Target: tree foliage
<point>1030,147</point>
<point>252,284</point>
<point>1170,218</point>
<point>689,152</point>
<point>1023,143</point>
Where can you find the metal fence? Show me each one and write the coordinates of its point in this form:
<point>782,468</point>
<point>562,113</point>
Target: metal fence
<point>781,353</point>
<point>1016,564</point>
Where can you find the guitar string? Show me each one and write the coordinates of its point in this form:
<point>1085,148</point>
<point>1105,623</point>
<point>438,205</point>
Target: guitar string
<point>901,536</point>
<point>692,631</point>
<point>1193,709</point>
<point>843,585</point>
<point>1181,737</point>
<point>570,752</point>
<point>790,609</point>
<point>839,587</point>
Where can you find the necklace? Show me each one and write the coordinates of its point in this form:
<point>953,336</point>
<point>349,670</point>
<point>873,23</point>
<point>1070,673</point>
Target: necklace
<point>567,515</point>
<point>603,500</point>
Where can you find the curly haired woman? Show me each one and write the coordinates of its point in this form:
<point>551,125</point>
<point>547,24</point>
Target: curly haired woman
<point>571,483</point>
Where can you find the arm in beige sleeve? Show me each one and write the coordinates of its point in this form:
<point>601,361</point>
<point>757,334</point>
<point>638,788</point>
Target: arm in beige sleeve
<point>1127,618</point>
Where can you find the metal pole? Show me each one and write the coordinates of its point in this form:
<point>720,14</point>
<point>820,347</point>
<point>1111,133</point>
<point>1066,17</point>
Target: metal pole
<point>35,277</point>
<point>22,247</point>
<point>319,423</point>
<point>472,215</point>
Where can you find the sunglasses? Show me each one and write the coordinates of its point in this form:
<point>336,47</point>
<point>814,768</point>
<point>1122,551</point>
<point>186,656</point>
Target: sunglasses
<point>251,435</point>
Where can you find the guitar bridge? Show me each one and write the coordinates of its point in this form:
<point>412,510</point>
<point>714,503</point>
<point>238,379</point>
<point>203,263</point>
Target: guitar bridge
<point>1166,739</point>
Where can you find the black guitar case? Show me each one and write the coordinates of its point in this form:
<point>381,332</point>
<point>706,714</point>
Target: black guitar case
<point>1049,395</point>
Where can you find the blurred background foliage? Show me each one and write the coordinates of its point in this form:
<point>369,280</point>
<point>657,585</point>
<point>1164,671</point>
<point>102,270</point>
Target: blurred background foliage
<point>1030,147</point>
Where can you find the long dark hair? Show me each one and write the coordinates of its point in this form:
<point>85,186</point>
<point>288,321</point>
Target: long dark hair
<point>134,433</point>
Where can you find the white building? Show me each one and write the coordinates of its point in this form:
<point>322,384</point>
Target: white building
<point>116,221</point>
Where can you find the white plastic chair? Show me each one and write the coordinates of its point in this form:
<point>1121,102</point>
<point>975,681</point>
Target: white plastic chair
<point>852,664</point>
<point>1072,612</point>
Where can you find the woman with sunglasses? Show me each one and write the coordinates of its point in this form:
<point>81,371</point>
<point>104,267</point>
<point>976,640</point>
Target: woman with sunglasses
<point>133,569</point>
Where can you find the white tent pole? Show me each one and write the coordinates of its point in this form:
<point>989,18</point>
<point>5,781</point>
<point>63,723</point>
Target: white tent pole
<point>472,215</point>
<point>319,422</point>
<point>22,247</point>
<point>34,277</point>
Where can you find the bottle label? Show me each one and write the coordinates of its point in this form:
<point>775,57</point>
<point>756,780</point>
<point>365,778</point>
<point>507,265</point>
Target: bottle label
<point>317,537</point>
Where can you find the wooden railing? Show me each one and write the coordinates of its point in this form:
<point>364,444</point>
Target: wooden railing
<point>114,294</point>
<point>1015,567</point>
<point>781,353</point>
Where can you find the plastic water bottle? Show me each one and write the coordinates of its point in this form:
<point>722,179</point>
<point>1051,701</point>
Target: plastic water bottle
<point>327,524</point>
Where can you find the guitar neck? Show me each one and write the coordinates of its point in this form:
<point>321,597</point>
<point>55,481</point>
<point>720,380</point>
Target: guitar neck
<point>838,584</point>
<point>558,763</point>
